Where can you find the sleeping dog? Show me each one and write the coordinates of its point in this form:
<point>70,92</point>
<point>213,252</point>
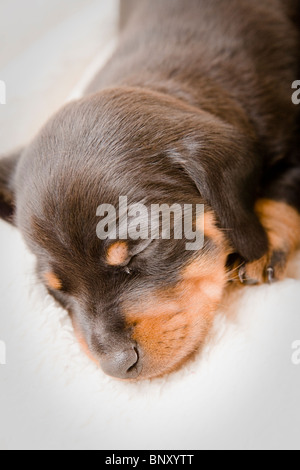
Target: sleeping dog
<point>194,108</point>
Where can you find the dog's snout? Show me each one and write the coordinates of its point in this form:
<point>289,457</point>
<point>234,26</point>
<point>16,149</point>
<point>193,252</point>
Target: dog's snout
<point>122,364</point>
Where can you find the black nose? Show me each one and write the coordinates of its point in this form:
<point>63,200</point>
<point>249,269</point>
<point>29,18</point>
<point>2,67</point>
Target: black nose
<point>123,364</point>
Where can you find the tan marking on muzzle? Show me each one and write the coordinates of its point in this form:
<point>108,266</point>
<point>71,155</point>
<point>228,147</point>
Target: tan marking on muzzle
<point>170,324</point>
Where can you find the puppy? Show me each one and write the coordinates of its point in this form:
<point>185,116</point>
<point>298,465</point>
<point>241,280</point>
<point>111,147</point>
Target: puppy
<point>193,108</point>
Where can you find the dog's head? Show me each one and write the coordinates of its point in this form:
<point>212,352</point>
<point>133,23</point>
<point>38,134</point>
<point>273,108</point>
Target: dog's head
<point>140,304</point>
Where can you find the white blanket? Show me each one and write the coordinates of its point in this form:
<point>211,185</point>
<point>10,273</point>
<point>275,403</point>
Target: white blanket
<point>240,392</point>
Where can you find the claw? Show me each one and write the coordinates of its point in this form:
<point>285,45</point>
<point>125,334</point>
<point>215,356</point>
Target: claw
<point>270,274</point>
<point>242,274</point>
<point>243,277</point>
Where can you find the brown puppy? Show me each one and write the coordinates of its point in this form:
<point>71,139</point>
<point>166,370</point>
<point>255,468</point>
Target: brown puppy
<point>194,108</point>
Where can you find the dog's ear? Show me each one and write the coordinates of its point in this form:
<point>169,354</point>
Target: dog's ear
<point>8,165</point>
<point>225,173</point>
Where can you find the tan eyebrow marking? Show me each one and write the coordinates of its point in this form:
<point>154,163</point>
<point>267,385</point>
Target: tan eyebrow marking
<point>53,281</point>
<point>117,254</point>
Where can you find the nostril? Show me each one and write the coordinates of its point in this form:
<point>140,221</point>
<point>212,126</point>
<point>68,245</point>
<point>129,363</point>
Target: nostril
<point>123,364</point>
<point>137,360</point>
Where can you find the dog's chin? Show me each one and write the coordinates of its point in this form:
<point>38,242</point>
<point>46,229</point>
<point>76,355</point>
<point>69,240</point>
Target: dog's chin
<point>160,357</point>
<point>182,320</point>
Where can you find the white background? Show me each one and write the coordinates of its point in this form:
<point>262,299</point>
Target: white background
<point>241,392</point>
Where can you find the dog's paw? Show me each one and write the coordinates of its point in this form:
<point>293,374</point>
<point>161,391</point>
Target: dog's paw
<point>282,224</point>
<point>268,269</point>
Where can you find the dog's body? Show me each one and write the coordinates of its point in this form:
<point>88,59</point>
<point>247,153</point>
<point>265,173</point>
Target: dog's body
<point>194,107</point>
<point>236,61</point>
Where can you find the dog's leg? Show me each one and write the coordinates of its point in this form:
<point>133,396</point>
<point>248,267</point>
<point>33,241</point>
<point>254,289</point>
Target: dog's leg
<point>282,224</point>
<point>279,213</point>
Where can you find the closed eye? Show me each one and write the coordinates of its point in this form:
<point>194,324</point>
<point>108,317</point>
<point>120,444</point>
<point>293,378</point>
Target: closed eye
<point>128,271</point>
